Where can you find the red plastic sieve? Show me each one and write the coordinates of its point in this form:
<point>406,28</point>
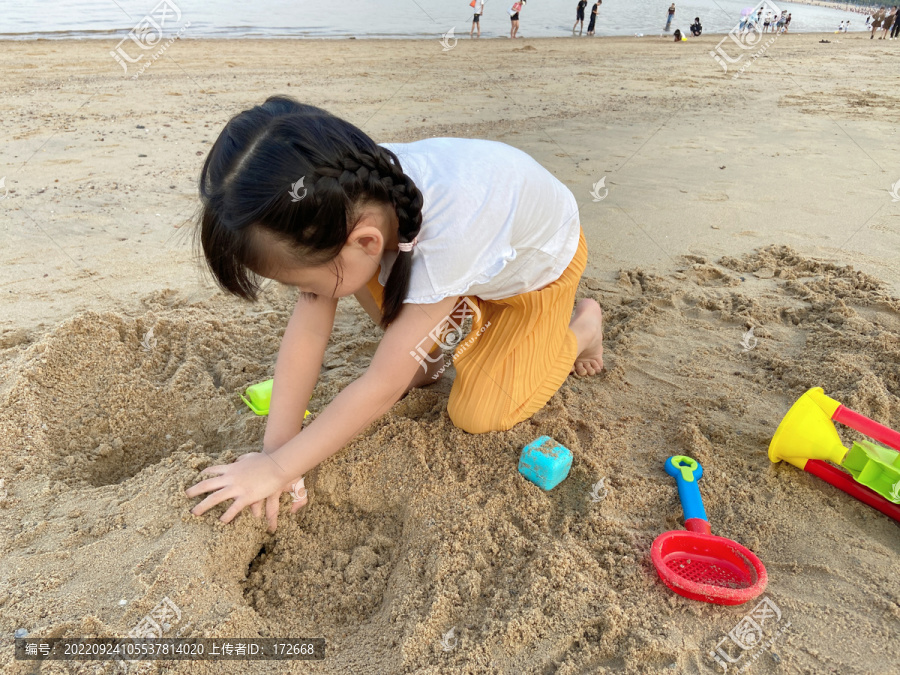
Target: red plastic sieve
<point>696,563</point>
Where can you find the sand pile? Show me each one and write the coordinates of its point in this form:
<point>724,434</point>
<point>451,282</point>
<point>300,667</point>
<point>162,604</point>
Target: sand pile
<point>417,528</point>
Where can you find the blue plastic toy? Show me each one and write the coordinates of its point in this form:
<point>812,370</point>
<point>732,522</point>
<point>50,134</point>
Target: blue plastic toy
<point>687,472</point>
<point>545,462</point>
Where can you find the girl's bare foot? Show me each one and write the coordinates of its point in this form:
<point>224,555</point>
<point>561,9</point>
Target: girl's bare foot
<point>587,324</point>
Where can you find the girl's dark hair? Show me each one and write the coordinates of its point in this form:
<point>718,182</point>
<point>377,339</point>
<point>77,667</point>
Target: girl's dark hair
<point>248,182</point>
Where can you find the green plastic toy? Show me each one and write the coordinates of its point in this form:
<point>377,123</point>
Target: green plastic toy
<point>807,436</point>
<point>259,396</point>
<point>875,467</point>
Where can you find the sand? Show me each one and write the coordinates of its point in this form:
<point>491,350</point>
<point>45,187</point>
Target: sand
<point>759,203</point>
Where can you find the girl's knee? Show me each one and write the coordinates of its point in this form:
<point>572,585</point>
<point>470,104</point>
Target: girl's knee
<point>474,419</point>
<point>472,424</point>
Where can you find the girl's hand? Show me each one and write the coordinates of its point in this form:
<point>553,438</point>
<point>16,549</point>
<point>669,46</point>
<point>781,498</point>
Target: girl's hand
<point>251,479</point>
<point>272,503</point>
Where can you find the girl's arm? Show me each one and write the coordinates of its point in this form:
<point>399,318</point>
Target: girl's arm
<point>393,367</point>
<point>297,367</point>
<point>369,397</point>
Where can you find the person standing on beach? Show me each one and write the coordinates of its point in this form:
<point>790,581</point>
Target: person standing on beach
<point>787,23</point>
<point>579,16</point>
<point>594,17</point>
<point>476,21</point>
<point>424,235</point>
<point>766,22</point>
<point>670,16</point>
<point>889,19</point>
<point>895,30</point>
<point>514,18</point>
<point>877,19</point>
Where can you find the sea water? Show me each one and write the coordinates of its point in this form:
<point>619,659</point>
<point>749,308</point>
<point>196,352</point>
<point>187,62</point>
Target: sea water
<point>382,18</point>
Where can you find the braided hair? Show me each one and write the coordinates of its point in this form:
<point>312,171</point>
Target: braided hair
<point>303,175</point>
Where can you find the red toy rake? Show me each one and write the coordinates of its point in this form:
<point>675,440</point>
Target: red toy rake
<point>696,563</point>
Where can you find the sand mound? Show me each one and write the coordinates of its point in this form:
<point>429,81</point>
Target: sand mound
<point>417,528</point>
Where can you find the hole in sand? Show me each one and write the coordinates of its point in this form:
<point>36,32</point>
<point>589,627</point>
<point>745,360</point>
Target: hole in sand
<point>99,402</point>
<point>259,559</point>
<point>337,565</point>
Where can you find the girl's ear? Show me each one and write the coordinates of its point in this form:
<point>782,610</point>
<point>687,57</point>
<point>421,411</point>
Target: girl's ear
<point>369,238</point>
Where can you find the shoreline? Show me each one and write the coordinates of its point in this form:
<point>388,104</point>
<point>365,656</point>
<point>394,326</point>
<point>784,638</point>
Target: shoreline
<point>436,36</point>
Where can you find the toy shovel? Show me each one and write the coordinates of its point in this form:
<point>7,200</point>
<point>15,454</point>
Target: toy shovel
<point>696,563</point>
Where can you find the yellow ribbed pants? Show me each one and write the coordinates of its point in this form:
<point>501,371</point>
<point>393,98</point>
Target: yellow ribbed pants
<point>518,354</point>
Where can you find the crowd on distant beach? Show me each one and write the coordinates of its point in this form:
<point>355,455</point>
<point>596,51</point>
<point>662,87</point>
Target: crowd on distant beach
<point>886,19</point>
<point>765,22</point>
<point>865,10</point>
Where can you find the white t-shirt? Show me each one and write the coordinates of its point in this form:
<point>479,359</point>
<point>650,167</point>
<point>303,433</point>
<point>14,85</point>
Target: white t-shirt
<point>479,6</point>
<point>495,223</point>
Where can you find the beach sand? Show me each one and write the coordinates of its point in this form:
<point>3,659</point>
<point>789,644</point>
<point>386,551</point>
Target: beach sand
<point>758,202</point>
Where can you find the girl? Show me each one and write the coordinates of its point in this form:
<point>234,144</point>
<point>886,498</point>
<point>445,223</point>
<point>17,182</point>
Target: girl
<point>292,193</point>
<point>514,17</point>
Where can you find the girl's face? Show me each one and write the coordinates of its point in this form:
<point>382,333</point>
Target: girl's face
<point>341,277</point>
<point>357,263</point>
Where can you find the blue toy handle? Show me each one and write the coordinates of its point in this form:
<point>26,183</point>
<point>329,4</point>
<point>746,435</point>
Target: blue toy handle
<point>687,473</point>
